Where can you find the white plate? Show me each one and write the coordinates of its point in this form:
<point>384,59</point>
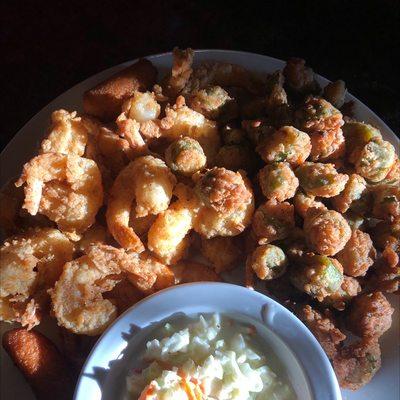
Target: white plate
<point>385,385</point>
<point>282,336</point>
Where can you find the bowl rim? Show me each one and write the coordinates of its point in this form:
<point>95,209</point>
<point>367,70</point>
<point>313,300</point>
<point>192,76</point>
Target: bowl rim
<point>310,355</point>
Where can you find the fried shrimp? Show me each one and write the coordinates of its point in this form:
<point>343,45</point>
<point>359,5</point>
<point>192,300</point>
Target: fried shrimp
<point>286,144</point>
<point>370,315</point>
<point>300,78</point>
<point>323,328</point>
<point>181,120</point>
<point>110,151</point>
<point>77,298</point>
<point>321,179</point>
<point>167,237</point>
<point>124,295</point>
<point>327,231</point>
<point>278,181</point>
<point>226,203</point>
<point>335,93</point>
<point>147,274</point>
<point>30,263</point>
<point>65,188</point>
<point>375,160</point>
<point>222,74</point>
<point>267,261</point>
<point>154,184</point>
<point>68,134</point>
<point>353,191</point>
<point>148,181</point>
<point>142,107</point>
<point>95,234</point>
<point>356,364</point>
<point>358,254</point>
<point>185,156</point>
<point>273,221</point>
<point>223,253</point>
<point>181,71</point>
<point>276,101</point>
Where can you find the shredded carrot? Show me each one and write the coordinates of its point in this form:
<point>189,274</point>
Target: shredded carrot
<point>147,391</point>
<point>192,394</point>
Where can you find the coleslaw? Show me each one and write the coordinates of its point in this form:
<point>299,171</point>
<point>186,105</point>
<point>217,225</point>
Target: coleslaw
<point>211,358</point>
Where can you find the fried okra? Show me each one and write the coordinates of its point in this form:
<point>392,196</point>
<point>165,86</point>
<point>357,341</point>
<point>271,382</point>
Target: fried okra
<point>235,157</point>
<point>223,253</point>
<point>387,234</point>
<point>327,231</point>
<point>323,328</point>
<point>358,254</point>
<point>213,102</point>
<point>323,123</point>
<point>278,181</point>
<point>286,144</point>
<point>386,274</point>
<point>353,191</point>
<point>370,315</point>
<point>375,160</point>
<point>185,156</point>
<point>267,261</point>
<point>354,220</point>
<point>273,221</point>
<point>303,201</point>
<point>357,135</point>
<point>318,276</point>
<point>226,203</point>
<point>349,288</point>
<point>233,135</point>
<point>321,179</point>
<point>355,365</point>
<point>387,202</point>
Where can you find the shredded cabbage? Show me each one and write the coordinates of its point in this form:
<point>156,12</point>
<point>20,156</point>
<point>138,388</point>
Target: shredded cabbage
<point>209,359</point>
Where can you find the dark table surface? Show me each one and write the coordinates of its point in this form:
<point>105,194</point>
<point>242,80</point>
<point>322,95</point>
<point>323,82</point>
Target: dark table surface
<point>47,47</point>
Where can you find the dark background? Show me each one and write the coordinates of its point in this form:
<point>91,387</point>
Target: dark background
<point>47,47</point>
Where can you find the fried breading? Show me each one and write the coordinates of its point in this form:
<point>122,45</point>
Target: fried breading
<point>323,328</point>
<point>106,98</point>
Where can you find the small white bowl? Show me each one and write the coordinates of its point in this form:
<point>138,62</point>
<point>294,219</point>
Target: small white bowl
<point>111,360</point>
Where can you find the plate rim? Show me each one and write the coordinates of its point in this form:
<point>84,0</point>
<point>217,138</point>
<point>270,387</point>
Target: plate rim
<point>167,54</point>
<point>391,136</point>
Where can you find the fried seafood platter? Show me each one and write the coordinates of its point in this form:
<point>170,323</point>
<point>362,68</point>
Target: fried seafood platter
<point>194,174</point>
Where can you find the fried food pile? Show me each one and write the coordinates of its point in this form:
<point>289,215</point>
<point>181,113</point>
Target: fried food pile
<point>212,168</point>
